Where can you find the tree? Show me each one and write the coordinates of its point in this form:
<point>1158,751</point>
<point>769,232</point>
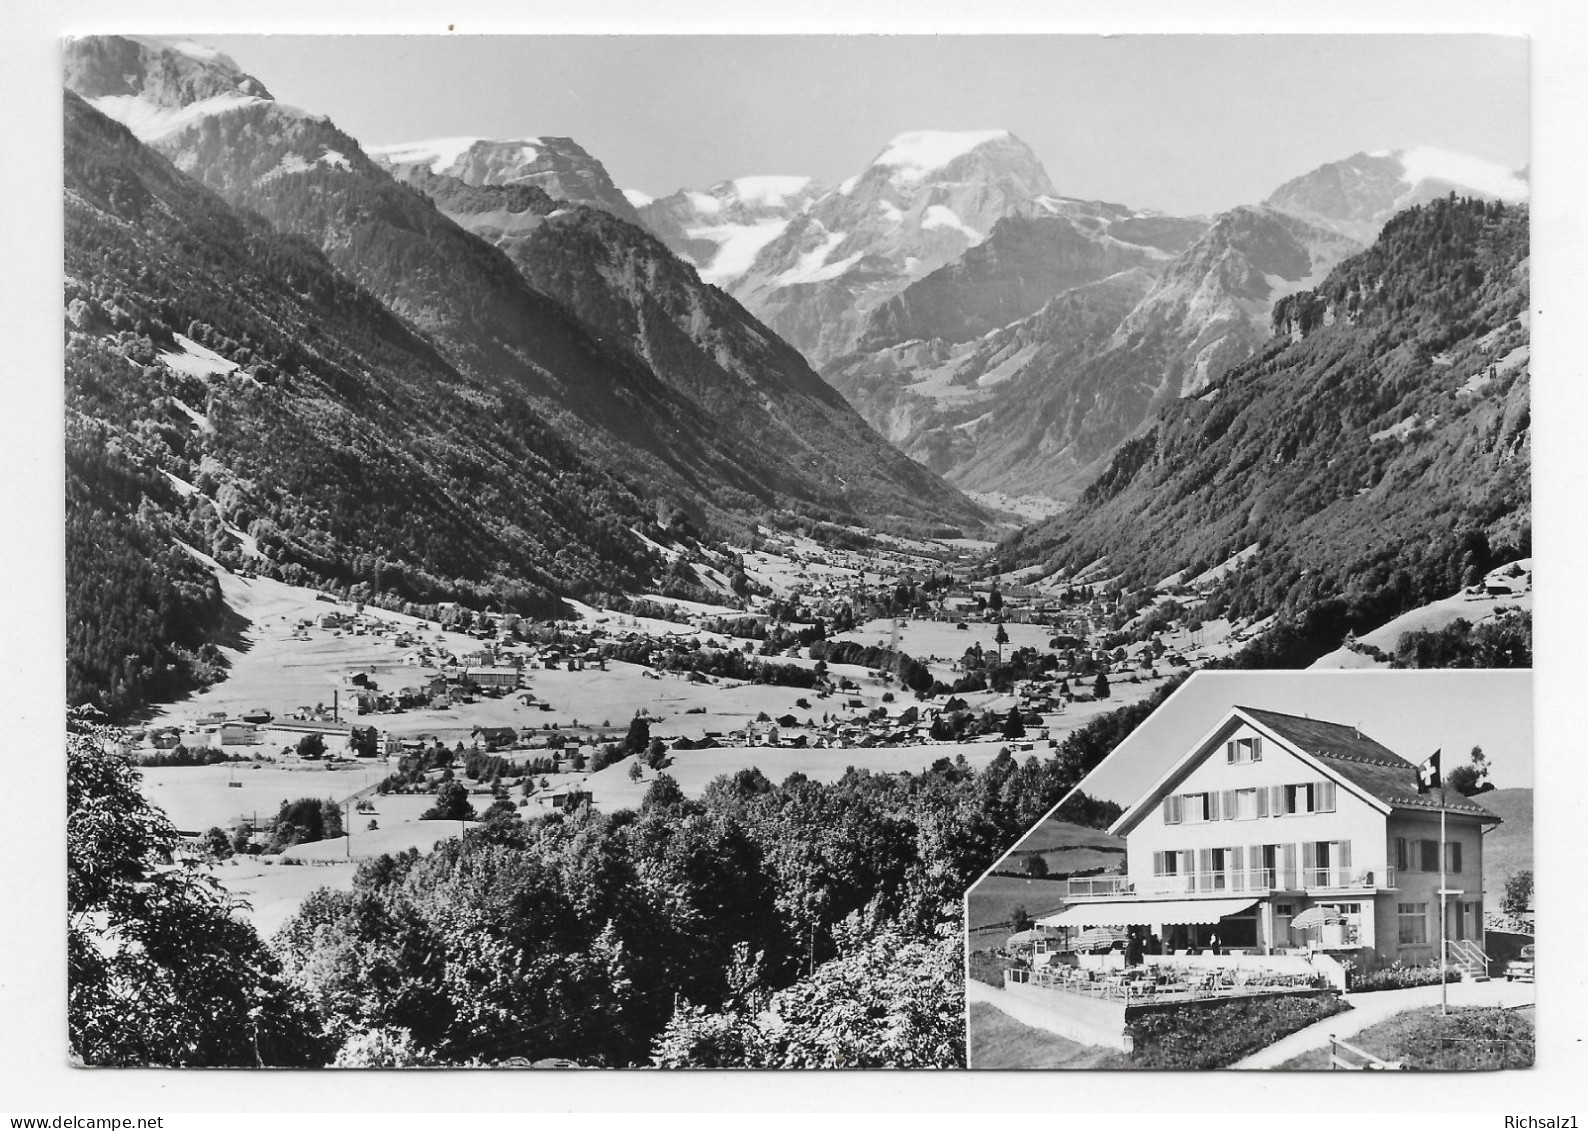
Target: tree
<point>159,971</point>
<point>1019,918</point>
<point>452,804</point>
<point>363,742</point>
<point>1518,894</point>
<point>1014,727</point>
<point>311,746</point>
<point>1100,688</point>
<point>639,736</point>
<point>1470,778</point>
<point>217,844</point>
<point>1000,638</point>
<point>995,599</point>
<point>1036,866</point>
<point>636,772</point>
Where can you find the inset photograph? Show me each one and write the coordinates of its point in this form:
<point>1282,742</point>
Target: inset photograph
<point>1292,870</point>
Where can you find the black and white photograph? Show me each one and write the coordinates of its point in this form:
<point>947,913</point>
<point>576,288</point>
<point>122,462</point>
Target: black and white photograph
<point>644,551</point>
<point>1378,911</point>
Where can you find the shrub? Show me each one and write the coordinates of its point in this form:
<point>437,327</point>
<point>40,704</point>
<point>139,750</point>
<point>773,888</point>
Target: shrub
<point>1399,977</point>
<point>988,966</point>
<point>1216,1036</point>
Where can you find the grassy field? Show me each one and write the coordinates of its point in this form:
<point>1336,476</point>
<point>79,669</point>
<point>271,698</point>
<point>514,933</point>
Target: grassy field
<point>198,797</point>
<point>274,892</point>
<point>999,1041</point>
<point>1055,834</point>
<point>995,898</point>
<point>1468,1040</point>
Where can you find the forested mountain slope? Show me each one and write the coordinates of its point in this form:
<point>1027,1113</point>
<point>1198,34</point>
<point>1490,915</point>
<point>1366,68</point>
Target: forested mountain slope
<point>627,287</point>
<point>1376,451</point>
<point>523,348</point>
<point>226,386</point>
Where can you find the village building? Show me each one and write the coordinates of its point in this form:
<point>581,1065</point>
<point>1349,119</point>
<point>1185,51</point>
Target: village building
<point>1270,817</point>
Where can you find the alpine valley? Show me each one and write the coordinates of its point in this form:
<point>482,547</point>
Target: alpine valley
<point>664,608</point>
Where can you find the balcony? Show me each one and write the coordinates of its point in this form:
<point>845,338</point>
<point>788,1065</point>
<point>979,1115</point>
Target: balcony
<point>1099,887</point>
<point>1348,879</point>
<point>1251,881</point>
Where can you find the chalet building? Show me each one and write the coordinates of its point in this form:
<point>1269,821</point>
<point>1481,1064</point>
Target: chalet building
<point>494,738</point>
<point>1270,815</point>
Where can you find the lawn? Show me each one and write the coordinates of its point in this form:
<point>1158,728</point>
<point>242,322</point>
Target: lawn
<point>1468,1040</point>
<point>996,898</point>
<point>999,1041</point>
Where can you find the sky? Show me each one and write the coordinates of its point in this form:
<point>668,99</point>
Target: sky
<point>1413,713</point>
<point>1190,124</point>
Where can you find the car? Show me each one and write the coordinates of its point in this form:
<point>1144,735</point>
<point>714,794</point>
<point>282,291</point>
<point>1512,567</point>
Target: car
<point>1520,968</point>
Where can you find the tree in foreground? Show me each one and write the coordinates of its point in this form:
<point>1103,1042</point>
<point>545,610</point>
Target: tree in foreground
<point>891,1001</point>
<point>159,971</point>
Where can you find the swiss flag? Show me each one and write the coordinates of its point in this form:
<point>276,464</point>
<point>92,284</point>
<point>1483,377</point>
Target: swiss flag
<point>1428,774</point>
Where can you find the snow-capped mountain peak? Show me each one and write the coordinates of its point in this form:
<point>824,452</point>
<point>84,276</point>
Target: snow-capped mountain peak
<point>914,155</point>
<point>558,165</point>
<point>156,88</point>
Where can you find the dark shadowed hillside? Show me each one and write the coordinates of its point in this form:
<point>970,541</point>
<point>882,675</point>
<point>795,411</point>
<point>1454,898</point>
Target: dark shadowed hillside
<point>227,387</point>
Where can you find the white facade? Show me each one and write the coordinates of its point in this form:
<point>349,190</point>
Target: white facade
<point>1252,820</point>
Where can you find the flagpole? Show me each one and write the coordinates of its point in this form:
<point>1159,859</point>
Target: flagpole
<point>1444,982</point>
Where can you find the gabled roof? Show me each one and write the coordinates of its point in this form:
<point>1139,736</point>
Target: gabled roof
<point>1372,767</point>
<point>1360,765</point>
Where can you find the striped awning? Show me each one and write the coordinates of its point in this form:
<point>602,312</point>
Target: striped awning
<point>1139,912</point>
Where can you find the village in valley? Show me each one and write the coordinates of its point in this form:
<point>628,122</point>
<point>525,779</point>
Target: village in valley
<point>874,659</point>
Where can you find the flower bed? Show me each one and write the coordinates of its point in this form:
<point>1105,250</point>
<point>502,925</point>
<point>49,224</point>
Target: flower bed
<point>1398,977</point>
<point>1216,1036</point>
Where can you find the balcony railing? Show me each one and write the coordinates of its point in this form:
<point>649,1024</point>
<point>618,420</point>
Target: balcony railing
<point>1099,887</point>
<point>1251,881</point>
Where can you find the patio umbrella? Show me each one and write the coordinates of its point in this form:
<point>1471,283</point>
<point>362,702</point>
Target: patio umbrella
<point>1097,938</point>
<point>1026,938</point>
<point>1316,917</point>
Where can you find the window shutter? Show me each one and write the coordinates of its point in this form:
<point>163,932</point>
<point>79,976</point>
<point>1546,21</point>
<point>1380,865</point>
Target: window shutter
<point>1454,849</point>
<point>1229,752</point>
<point>1325,797</point>
<point>1276,800</point>
<point>1157,863</point>
<point>1309,862</point>
<point>1254,859</point>
<point>1171,809</point>
<point>1237,858</point>
<point>1205,869</point>
<point>1212,803</point>
<point>1401,860</point>
<point>1262,802</point>
<point>1342,855</point>
<point>1288,853</point>
<point>1230,810</point>
<point>1257,749</point>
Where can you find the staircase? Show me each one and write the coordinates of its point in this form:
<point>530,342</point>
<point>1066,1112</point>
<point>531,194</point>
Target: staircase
<point>1468,957</point>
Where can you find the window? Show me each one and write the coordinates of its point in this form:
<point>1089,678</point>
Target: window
<point>1413,923</point>
<point>1241,750</point>
<point>1453,856</point>
<point>1429,851</point>
<point>1303,797</point>
<point>1240,805</point>
<point>1200,807</point>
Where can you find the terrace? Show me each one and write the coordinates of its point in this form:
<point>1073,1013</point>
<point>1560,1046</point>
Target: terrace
<point>1256,881</point>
